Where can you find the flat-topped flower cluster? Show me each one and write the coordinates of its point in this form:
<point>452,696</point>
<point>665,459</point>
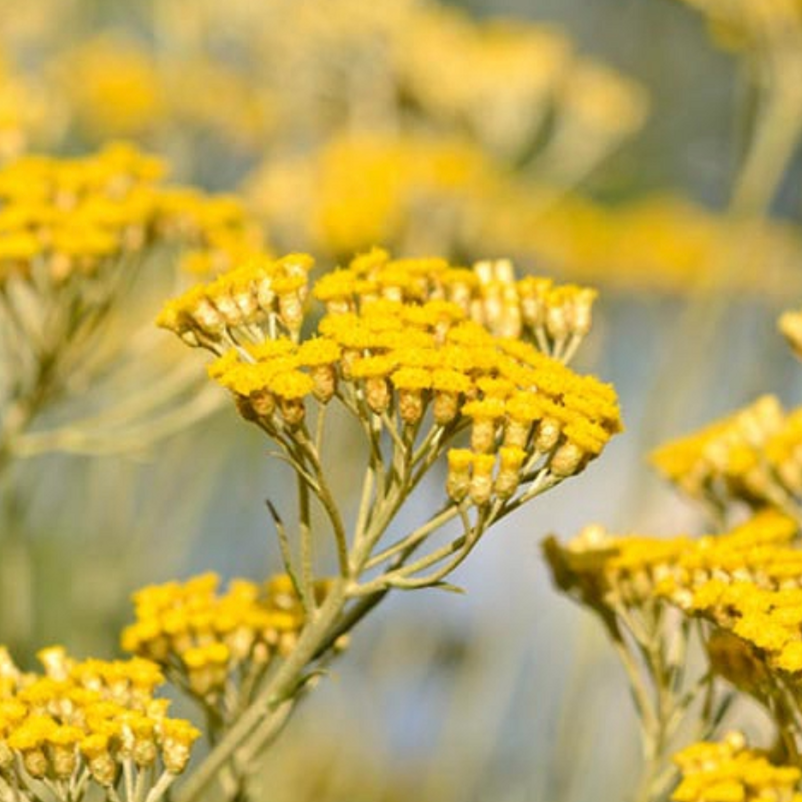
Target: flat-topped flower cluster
<point>403,338</point>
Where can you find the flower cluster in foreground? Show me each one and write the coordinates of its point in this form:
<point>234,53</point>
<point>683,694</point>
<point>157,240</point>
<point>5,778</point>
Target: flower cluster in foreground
<point>434,364</point>
<point>405,338</point>
<point>697,621</point>
<point>729,771</point>
<point>85,723</point>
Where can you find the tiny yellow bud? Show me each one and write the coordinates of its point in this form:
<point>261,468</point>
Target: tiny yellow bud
<point>458,479</point>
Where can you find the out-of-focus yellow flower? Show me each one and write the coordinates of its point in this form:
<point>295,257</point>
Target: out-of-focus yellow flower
<point>600,103</point>
<point>754,455</point>
<point>661,243</point>
<point>74,234</point>
<point>206,96</point>
<point>113,88</point>
<point>498,77</point>
<point>361,189</point>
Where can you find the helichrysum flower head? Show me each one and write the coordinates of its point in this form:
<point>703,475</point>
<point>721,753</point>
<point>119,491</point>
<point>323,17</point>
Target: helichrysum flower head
<point>632,569</point>
<point>730,770</point>
<point>754,455</point>
<point>410,341</point>
<point>207,640</point>
<point>93,715</point>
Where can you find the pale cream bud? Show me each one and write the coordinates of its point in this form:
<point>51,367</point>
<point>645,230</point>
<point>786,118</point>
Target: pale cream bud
<point>445,407</point>
<point>547,435</point>
<point>325,379</point>
<point>410,405</point>
<point>482,478</point>
<point>567,460</point>
<point>377,394</point>
<point>293,411</point>
<point>64,759</point>
<point>458,479</point>
<point>35,762</point>
<point>483,434</point>
<point>103,769</point>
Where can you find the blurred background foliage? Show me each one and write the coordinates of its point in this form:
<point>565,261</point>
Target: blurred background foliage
<point>611,143</point>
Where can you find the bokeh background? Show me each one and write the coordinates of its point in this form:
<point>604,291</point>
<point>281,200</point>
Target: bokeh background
<point>599,142</point>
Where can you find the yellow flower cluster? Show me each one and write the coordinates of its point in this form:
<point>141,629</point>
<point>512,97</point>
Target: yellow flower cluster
<point>660,243</point>
<point>501,79</point>
<point>61,218</point>
<point>262,298</point>
<point>115,87</point>
<point>766,621</point>
<point>754,455</point>
<point>265,297</point>
<point>484,73</point>
<point>632,569</point>
<point>531,308</point>
<point>747,581</point>
<point>83,719</point>
<point>496,79</point>
<point>216,645</point>
<point>362,188</point>
<point>730,771</point>
<point>112,88</point>
<point>404,337</point>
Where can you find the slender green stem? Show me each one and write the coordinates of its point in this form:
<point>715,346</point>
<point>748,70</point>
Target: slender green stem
<point>160,789</point>
<point>418,536</point>
<point>366,502</point>
<point>276,691</point>
<point>305,533</point>
<point>327,500</point>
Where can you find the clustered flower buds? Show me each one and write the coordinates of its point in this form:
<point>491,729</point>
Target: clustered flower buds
<point>403,340</point>
<point>748,581</point>
<point>249,303</point>
<point>754,455</point>
<point>65,218</point>
<point>216,645</point>
<point>74,233</point>
<point>730,770</point>
<point>84,720</point>
<point>737,594</point>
